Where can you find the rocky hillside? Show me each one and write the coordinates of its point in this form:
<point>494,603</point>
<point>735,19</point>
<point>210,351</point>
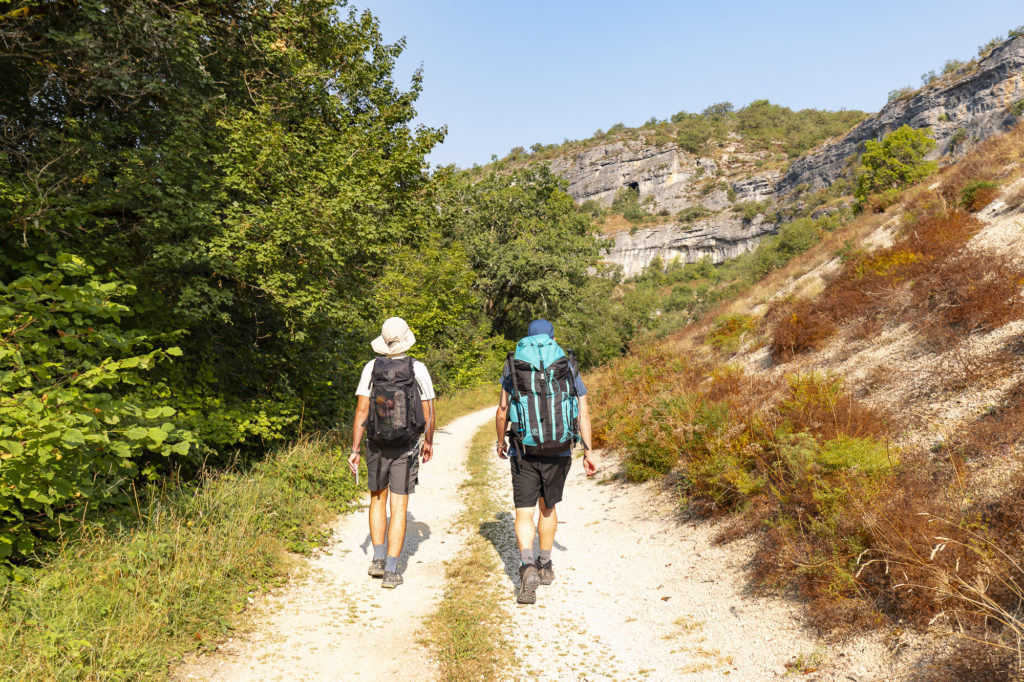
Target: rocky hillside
<point>859,414</point>
<point>962,108</point>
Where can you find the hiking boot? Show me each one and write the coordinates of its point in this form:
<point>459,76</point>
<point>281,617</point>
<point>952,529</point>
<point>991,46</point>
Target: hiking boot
<point>545,572</point>
<point>391,580</point>
<point>376,569</point>
<point>528,579</point>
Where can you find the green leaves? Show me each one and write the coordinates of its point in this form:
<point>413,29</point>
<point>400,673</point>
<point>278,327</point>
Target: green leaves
<point>895,162</point>
<point>73,421</point>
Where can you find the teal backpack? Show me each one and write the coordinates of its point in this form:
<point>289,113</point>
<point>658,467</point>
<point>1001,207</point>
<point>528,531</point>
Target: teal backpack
<point>544,409</point>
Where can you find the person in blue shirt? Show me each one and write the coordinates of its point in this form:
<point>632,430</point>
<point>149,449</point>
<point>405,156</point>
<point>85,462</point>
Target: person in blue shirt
<point>537,483</point>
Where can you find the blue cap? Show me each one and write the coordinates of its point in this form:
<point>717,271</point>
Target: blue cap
<point>541,327</point>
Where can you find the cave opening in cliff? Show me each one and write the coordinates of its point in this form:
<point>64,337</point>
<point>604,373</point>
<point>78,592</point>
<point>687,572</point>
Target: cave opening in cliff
<point>633,187</point>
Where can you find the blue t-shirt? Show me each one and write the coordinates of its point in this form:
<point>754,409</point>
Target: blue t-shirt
<point>506,383</point>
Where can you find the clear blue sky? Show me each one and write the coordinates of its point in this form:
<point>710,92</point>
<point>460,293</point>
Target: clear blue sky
<point>502,74</point>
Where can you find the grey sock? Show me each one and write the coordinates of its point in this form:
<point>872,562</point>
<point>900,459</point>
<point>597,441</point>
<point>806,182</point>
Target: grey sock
<point>379,551</point>
<point>526,555</point>
<point>545,556</point>
<point>391,565</point>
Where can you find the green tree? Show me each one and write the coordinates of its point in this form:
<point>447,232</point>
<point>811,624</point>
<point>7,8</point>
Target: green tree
<point>248,169</point>
<point>896,161</point>
<point>433,288</point>
<point>535,254</point>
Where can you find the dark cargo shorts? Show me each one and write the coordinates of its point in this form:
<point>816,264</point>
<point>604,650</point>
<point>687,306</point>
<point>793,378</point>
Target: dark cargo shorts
<point>396,468</point>
<point>534,477</point>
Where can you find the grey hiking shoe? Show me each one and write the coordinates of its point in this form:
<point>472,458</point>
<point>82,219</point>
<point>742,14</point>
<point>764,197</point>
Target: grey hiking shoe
<point>545,572</point>
<point>528,580</point>
<point>391,580</point>
<point>376,569</point>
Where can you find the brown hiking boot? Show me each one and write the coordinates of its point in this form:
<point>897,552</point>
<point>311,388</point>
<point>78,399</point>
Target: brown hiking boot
<point>392,579</point>
<point>545,572</point>
<point>376,569</point>
<point>528,579</point>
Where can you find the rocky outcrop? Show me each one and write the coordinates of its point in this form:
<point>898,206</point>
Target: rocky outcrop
<point>960,112</point>
<point>667,176</point>
<point>718,238</point>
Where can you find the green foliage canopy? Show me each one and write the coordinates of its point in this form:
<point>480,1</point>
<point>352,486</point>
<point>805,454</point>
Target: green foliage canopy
<point>896,161</point>
<point>249,186</point>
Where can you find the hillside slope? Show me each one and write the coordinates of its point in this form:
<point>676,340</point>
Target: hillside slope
<point>860,413</point>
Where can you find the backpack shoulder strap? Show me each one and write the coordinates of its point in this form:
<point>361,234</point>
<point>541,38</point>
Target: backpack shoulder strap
<point>510,363</point>
<point>574,371</point>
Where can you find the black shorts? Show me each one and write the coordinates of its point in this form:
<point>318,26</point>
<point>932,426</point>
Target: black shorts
<point>535,477</point>
<point>394,467</point>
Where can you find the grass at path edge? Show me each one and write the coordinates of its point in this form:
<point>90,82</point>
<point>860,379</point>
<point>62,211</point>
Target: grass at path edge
<point>124,605</point>
<point>466,632</point>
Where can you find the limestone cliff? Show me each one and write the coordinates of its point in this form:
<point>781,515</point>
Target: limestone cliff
<point>961,110</point>
<point>718,238</point>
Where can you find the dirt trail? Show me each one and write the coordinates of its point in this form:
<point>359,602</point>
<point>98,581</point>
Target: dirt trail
<point>641,595</point>
<point>638,595</point>
<point>336,623</point>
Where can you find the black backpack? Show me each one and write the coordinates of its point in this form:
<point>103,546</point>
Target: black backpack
<point>396,412</point>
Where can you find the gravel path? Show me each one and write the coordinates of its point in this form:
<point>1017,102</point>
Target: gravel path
<point>336,623</point>
<point>638,595</point>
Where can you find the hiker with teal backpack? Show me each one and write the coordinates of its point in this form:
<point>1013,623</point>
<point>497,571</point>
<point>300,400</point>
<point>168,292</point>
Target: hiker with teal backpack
<point>543,412</point>
<point>395,409</point>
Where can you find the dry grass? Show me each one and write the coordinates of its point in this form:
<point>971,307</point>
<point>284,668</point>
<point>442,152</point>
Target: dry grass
<point>928,279</point>
<point>467,630</point>
<point>870,535</point>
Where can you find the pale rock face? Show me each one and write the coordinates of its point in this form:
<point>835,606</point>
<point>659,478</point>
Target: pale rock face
<point>717,238</point>
<point>977,103</point>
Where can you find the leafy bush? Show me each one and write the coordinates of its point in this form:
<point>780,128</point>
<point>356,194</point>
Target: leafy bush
<point>900,93</point>
<point>627,203</point>
<point>75,422</point>
<point>978,194</point>
<point>895,162</point>
<point>986,49</point>
<point>692,213</point>
<point>952,65</point>
<point>727,332</point>
<point>751,209</point>
<point>957,138</point>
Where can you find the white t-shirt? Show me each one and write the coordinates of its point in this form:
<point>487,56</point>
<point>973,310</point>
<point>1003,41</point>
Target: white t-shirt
<point>419,371</point>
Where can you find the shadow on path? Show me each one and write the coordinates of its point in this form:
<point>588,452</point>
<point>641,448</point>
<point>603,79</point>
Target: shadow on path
<point>500,532</point>
<point>416,533</point>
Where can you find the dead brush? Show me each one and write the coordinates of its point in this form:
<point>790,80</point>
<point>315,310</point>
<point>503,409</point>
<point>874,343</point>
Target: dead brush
<point>989,161</point>
<point>933,559</point>
<point>956,574</point>
<point>927,279</point>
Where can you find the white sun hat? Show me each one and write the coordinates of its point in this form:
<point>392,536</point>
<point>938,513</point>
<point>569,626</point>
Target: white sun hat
<point>395,337</point>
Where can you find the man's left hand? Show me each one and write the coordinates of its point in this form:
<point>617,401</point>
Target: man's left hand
<point>426,452</point>
<point>588,464</point>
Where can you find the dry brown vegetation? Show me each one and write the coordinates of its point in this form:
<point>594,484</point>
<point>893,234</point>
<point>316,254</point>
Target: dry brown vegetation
<point>857,504</point>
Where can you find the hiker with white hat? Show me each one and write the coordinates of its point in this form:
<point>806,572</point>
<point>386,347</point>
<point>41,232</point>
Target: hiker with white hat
<point>395,409</point>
